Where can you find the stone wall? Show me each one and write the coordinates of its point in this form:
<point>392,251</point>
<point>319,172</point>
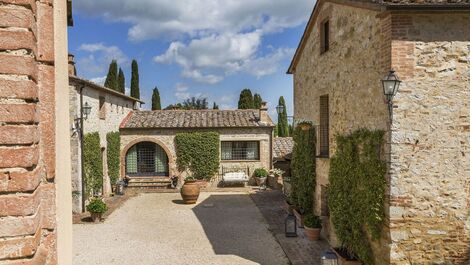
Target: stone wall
<point>165,138</point>
<point>117,108</point>
<point>350,73</point>
<point>28,231</point>
<point>430,176</point>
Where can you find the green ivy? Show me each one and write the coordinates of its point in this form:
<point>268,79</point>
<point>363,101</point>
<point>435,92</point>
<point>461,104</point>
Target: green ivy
<point>198,153</point>
<point>114,144</point>
<point>303,167</point>
<point>93,163</point>
<point>356,194</point>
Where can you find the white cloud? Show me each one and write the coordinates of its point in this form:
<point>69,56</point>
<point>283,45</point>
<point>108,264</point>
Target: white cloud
<point>182,91</point>
<point>98,58</point>
<point>98,80</point>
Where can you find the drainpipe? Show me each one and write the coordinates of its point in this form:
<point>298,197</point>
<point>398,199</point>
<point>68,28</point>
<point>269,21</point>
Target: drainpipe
<point>81,149</point>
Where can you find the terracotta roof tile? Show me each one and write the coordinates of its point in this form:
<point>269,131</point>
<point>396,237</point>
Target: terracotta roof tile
<point>282,147</point>
<point>194,119</point>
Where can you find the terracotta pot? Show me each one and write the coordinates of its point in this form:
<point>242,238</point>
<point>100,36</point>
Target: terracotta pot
<point>96,217</point>
<point>260,181</point>
<point>201,183</point>
<point>312,233</point>
<point>344,259</point>
<point>190,192</point>
<point>300,218</point>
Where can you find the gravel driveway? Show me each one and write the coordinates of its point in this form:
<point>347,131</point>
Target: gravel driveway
<point>156,228</point>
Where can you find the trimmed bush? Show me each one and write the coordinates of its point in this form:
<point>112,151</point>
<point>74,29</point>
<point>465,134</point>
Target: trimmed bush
<point>92,163</point>
<point>261,173</point>
<point>356,194</point>
<point>97,205</point>
<point>198,153</point>
<point>113,152</point>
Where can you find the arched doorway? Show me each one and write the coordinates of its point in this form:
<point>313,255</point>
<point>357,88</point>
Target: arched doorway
<point>146,159</point>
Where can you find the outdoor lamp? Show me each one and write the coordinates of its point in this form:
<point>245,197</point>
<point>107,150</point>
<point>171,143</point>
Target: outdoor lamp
<point>280,109</point>
<point>329,258</point>
<point>291,226</point>
<point>86,110</point>
<point>390,84</point>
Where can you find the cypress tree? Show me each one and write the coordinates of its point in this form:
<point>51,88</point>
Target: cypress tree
<point>135,90</point>
<point>111,79</point>
<point>121,81</point>
<point>215,106</point>
<point>156,105</point>
<point>282,123</point>
<point>257,101</point>
<point>246,100</point>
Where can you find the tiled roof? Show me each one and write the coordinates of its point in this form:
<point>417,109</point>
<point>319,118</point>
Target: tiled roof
<point>194,119</point>
<point>421,2</point>
<point>282,147</point>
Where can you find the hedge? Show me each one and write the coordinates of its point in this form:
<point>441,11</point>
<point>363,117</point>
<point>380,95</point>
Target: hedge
<point>113,152</point>
<point>356,194</point>
<point>303,167</point>
<point>198,153</point>
<point>93,163</point>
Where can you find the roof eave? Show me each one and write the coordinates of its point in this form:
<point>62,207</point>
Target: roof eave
<point>195,128</point>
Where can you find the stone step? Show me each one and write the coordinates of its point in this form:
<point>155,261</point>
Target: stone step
<point>150,180</point>
<point>148,185</point>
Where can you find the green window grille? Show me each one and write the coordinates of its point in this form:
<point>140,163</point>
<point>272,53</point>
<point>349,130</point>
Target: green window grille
<point>131,160</point>
<point>146,159</point>
<point>246,150</point>
<point>161,160</point>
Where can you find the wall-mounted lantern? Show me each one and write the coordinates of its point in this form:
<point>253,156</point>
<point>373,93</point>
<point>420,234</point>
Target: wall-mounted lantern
<point>291,226</point>
<point>86,110</point>
<point>280,109</point>
<point>391,84</point>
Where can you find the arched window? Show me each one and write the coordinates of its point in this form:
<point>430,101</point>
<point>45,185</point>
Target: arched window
<point>146,159</point>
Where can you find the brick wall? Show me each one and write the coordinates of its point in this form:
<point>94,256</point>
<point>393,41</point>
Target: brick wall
<point>27,138</point>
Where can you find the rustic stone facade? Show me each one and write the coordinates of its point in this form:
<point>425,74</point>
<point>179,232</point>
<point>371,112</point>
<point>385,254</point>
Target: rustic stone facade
<point>428,216</point>
<point>116,108</point>
<point>28,223</point>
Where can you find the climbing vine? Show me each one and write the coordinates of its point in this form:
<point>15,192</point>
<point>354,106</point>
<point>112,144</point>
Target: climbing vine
<point>93,163</point>
<point>198,153</point>
<point>303,167</point>
<point>357,191</point>
<point>114,142</point>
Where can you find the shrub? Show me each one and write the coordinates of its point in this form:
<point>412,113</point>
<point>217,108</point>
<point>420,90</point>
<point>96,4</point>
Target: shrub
<point>261,173</point>
<point>113,152</point>
<point>198,153</point>
<point>312,221</point>
<point>92,163</point>
<point>97,205</point>
<point>356,194</point>
<point>303,168</point>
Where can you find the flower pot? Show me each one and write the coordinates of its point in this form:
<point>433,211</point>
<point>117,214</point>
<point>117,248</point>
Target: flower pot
<point>260,181</point>
<point>300,218</point>
<point>312,233</point>
<point>305,127</point>
<point>96,217</point>
<point>190,192</point>
<point>202,183</point>
<point>344,258</point>
<point>273,182</point>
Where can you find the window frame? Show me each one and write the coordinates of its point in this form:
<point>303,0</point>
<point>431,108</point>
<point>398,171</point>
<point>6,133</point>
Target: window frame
<point>257,158</point>
<point>324,127</point>
<point>325,36</point>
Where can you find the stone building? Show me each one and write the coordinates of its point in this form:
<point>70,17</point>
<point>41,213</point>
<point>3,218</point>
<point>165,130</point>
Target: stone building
<point>282,154</point>
<point>246,138</point>
<point>35,194</point>
<point>108,110</point>
<point>347,48</point>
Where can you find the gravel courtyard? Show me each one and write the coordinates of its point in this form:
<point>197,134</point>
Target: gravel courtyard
<point>156,228</point>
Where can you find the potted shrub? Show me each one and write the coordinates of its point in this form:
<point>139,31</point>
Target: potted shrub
<point>96,207</point>
<point>190,190</point>
<point>312,225</point>
<point>261,175</point>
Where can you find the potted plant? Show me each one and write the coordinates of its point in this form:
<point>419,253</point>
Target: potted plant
<point>96,207</point>
<point>274,176</point>
<point>312,225</point>
<point>190,190</point>
<point>261,175</point>
<point>345,257</point>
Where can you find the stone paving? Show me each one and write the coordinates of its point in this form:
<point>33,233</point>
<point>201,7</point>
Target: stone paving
<point>300,250</point>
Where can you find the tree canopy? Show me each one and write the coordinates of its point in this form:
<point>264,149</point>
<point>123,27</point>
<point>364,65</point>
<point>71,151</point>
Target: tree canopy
<point>135,89</point>
<point>121,82</point>
<point>257,101</point>
<point>246,100</point>
<point>156,104</point>
<point>192,103</point>
<point>112,78</point>
<point>282,123</point>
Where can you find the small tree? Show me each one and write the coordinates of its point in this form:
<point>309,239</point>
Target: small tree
<point>215,106</point>
<point>111,79</point>
<point>257,101</point>
<point>135,90</point>
<point>156,104</point>
<point>246,100</point>
<point>282,123</point>
<point>121,82</point>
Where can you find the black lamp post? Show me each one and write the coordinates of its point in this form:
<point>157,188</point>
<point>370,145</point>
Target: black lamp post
<point>291,226</point>
<point>391,84</point>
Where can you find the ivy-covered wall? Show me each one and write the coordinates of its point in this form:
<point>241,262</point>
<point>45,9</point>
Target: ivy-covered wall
<point>303,167</point>
<point>113,151</point>
<point>198,152</point>
<point>357,189</point>
<point>93,163</point>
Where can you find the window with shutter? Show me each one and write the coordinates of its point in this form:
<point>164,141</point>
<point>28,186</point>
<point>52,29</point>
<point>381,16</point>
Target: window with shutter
<point>324,126</point>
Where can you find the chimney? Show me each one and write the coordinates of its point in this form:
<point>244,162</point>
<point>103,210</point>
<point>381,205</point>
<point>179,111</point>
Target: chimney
<point>72,69</point>
<point>263,113</point>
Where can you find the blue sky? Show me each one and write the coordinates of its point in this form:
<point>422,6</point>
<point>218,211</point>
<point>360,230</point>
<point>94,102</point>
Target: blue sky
<point>186,48</point>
